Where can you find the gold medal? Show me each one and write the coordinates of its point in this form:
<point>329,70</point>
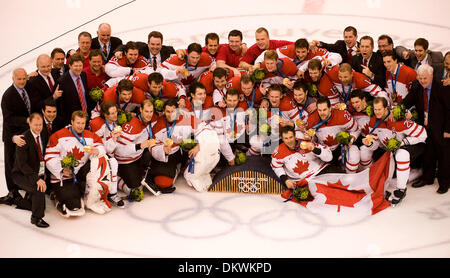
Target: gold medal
<point>286,81</point>
<point>231,134</point>
<point>311,132</point>
<point>87,148</point>
<point>118,129</point>
<point>186,72</point>
<point>168,142</point>
<point>303,145</point>
<point>369,138</point>
<point>152,142</point>
<point>299,122</point>
<point>342,106</point>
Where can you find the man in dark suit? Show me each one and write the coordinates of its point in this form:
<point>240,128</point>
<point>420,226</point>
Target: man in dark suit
<point>43,84</point>
<point>431,100</point>
<point>422,55</point>
<point>347,48</point>
<point>58,63</point>
<point>369,63</point>
<point>75,93</point>
<point>105,42</point>
<point>29,168</point>
<point>16,108</point>
<point>52,121</point>
<point>153,50</point>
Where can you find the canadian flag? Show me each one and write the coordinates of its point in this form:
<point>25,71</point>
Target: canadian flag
<point>361,193</point>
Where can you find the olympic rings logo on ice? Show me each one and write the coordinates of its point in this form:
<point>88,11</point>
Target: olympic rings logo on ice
<point>249,186</point>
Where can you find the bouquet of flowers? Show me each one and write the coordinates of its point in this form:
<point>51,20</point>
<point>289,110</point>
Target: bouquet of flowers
<point>369,109</point>
<point>258,75</point>
<point>312,90</point>
<point>158,104</point>
<point>240,158</point>
<point>392,145</point>
<point>188,144</point>
<point>69,162</point>
<point>96,94</point>
<point>123,117</point>
<point>343,138</point>
<point>265,129</point>
<point>399,112</point>
<point>301,193</point>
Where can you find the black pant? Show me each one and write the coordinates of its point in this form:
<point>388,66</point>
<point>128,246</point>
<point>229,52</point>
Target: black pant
<point>9,151</point>
<point>37,197</point>
<point>436,156</point>
<point>132,173</point>
<point>69,192</point>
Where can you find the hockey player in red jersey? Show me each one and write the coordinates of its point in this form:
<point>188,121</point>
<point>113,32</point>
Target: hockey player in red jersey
<point>279,71</point>
<point>127,97</point>
<point>248,90</point>
<point>398,78</point>
<point>296,159</point>
<point>325,124</point>
<point>410,135</point>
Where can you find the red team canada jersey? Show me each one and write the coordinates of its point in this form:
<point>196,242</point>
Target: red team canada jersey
<point>406,76</point>
<point>340,120</point>
<point>64,142</point>
<point>359,81</point>
<point>405,131</point>
<point>231,58</point>
<point>134,132</point>
<point>171,64</point>
<point>300,164</point>
<point>254,51</point>
<point>235,82</point>
<point>119,67</point>
<point>110,94</point>
<point>93,80</point>
<point>287,70</point>
<point>207,80</point>
<point>170,90</point>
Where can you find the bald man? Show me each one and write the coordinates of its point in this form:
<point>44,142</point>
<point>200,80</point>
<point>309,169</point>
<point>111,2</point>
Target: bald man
<point>43,85</point>
<point>105,42</point>
<point>16,108</point>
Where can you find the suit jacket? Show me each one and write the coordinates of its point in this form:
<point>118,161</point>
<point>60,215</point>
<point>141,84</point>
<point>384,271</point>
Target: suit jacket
<point>338,47</point>
<point>115,43</point>
<point>57,124</point>
<point>15,113</point>
<point>375,65</point>
<point>439,112</point>
<point>57,73</point>
<point>435,59</point>
<point>69,101</point>
<point>166,51</point>
<point>26,164</point>
<point>40,90</point>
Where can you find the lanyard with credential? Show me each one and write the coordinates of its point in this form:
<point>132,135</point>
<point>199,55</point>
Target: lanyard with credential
<point>394,83</point>
<point>81,140</point>
<point>149,127</point>
<point>378,122</point>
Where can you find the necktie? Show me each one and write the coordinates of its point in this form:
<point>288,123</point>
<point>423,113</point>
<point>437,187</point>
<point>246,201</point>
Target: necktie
<point>50,83</point>
<point>105,51</point>
<point>26,100</point>
<point>349,55</point>
<point>425,99</point>
<point>418,65</point>
<point>49,128</point>
<point>154,63</point>
<point>38,143</point>
<point>365,62</point>
<point>81,96</point>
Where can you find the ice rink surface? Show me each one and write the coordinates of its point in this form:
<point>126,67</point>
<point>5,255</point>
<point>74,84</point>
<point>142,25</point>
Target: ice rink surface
<point>189,224</point>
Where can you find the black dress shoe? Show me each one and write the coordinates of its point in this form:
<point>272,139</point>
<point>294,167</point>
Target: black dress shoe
<point>9,199</point>
<point>442,189</point>
<point>419,183</point>
<point>39,222</point>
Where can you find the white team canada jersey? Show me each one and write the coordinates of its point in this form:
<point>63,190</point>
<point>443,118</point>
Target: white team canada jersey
<point>119,67</point>
<point>64,142</point>
<point>99,127</point>
<point>219,95</point>
<point>300,164</point>
<point>340,120</point>
<point>222,124</point>
<point>363,122</point>
<point>185,127</point>
<point>170,65</point>
<point>134,132</point>
<point>203,112</point>
<point>406,76</point>
<point>406,131</point>
<point>291,111</point>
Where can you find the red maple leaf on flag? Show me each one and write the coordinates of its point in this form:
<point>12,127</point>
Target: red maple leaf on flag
<point>77,153</point>
<point>330,140</point>
<point>301,166</point>
<point>339,194</point>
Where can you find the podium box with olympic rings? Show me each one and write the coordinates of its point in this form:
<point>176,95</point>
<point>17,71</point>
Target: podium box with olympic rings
<point>255,176</point>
